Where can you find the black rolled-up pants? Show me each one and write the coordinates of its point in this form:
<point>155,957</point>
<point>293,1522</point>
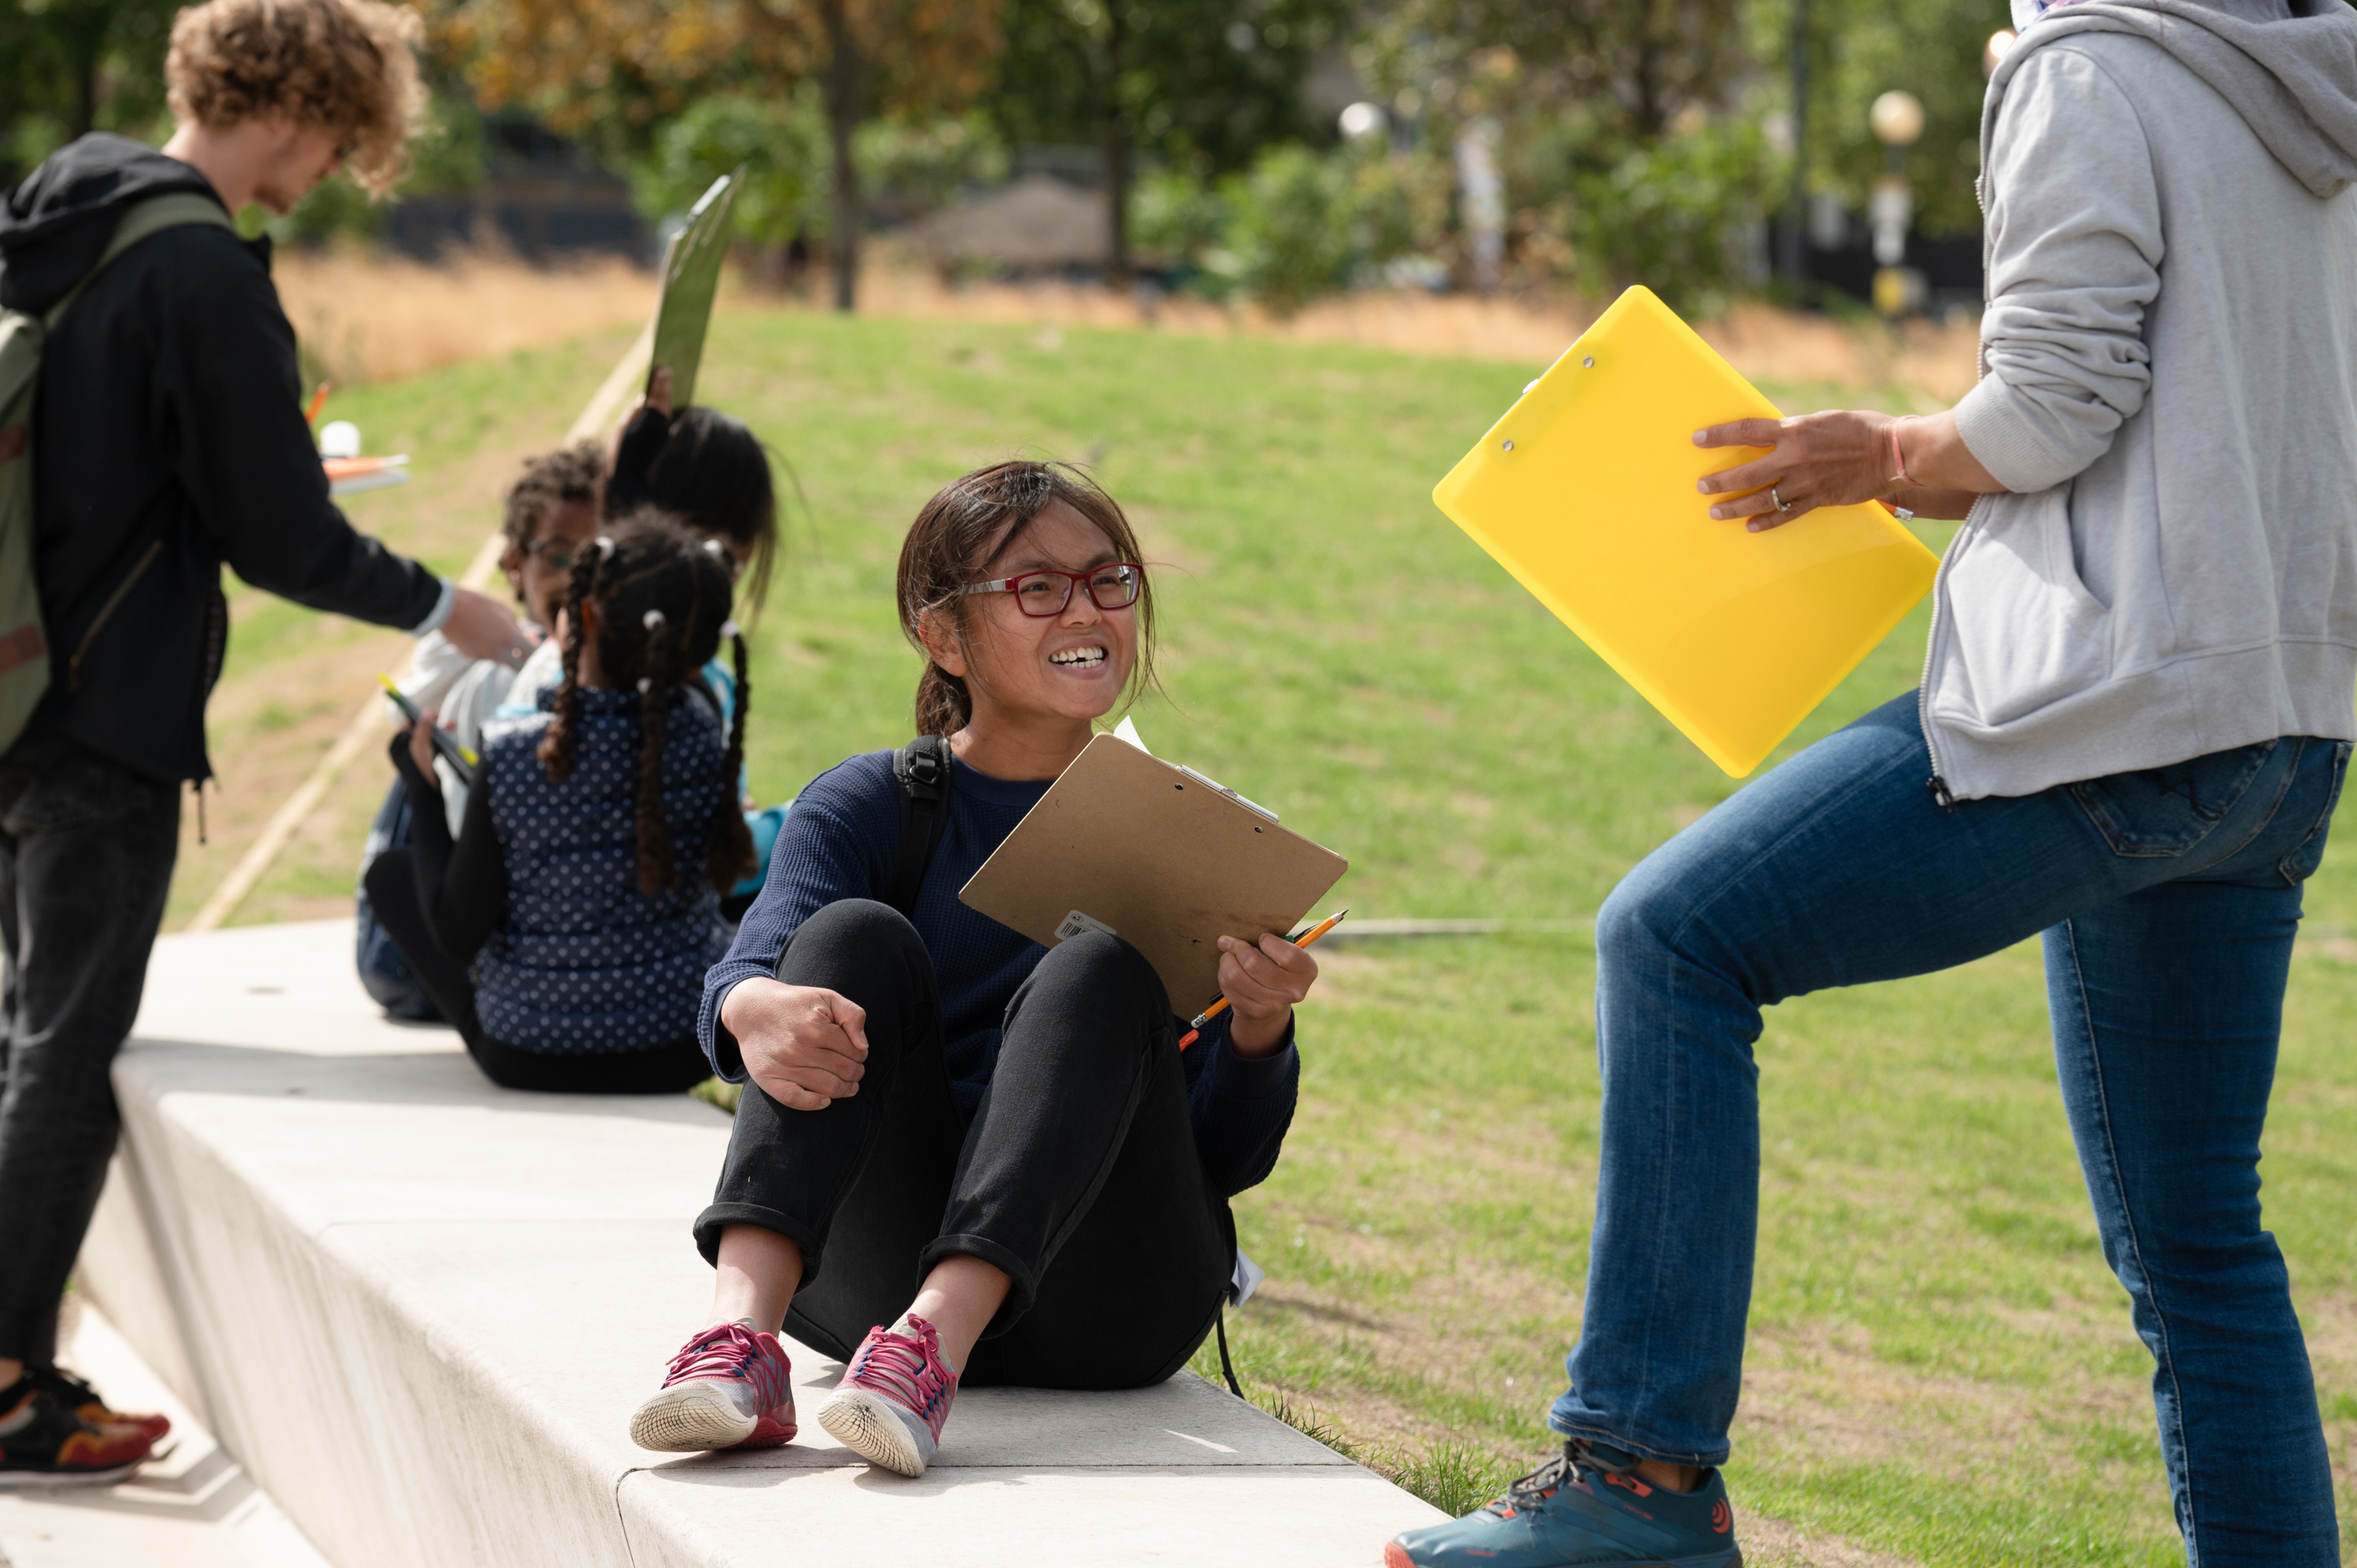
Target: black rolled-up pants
<point>1078,1175</point>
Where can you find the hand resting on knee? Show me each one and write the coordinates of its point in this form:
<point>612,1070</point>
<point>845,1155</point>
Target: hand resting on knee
<point>806,1046</point>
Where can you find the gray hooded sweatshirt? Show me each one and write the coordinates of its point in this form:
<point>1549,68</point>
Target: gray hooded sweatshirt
<point>2168,394</point>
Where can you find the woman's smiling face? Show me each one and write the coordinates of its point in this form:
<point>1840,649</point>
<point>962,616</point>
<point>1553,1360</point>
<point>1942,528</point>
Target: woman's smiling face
<point>1073,665</point>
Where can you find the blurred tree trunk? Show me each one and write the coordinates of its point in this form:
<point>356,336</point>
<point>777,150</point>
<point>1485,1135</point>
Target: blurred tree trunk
<point>85,75</point>
<point>1116,145</point>
<point>844,84</point>
<point>80,33</point>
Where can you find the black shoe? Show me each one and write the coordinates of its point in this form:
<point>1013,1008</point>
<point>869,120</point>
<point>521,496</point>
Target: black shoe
<point>85,1403</point>
<point>45,1442</point>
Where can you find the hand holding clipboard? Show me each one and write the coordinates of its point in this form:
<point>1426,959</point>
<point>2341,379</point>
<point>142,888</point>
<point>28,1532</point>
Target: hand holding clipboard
<point>1182,869</point>
<point>1230,945</point>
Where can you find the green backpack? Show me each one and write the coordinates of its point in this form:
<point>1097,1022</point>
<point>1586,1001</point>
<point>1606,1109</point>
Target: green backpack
<point>24,648</point>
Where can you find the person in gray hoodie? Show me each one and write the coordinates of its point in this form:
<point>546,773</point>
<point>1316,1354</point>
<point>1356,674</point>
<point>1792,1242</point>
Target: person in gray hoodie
<point>2137,710</point>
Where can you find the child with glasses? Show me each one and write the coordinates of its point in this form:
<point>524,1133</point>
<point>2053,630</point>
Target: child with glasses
<point>961,1157</point>
<point>565,928</point>
<point>551,516</point>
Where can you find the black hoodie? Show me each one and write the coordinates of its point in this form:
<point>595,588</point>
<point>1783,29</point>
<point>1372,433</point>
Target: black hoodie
<point>167,438</point>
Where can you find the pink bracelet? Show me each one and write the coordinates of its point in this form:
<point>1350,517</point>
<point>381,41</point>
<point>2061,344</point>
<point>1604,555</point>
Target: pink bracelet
<point>1899,458</point>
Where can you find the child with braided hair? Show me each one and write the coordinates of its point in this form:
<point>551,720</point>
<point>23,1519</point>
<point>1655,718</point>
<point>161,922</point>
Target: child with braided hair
<point>583,886</point>
<point>711,474</point>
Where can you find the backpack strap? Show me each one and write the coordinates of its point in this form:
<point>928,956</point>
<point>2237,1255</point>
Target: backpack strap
<point>922,768</point>
<point>175,210</point>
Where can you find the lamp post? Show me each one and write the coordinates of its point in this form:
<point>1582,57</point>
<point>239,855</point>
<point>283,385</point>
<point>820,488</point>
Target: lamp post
<point>1897,119</point>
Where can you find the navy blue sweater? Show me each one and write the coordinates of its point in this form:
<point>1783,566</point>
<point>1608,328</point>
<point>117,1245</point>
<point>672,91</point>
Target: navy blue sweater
<point>841,841</point>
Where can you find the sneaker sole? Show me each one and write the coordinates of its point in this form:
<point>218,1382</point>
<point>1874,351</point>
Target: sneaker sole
<point>1396,1556</point>
<point>872,1429</point>
<point>690,1418</point>
<point>105,1478</point>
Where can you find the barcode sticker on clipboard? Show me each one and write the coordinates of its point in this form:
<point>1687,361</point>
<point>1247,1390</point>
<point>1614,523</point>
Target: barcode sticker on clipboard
<point>1073,924</point>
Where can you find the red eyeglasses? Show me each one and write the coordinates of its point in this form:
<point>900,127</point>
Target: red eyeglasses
<point>1114,586</point>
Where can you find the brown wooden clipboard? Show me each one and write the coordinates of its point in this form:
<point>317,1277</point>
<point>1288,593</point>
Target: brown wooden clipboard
<point>1128,844</point>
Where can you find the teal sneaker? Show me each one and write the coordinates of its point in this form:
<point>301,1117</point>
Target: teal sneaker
<point>1589,1508</point>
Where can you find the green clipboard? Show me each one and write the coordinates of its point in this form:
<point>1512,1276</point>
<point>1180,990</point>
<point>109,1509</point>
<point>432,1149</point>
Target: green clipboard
<point>691,276</point>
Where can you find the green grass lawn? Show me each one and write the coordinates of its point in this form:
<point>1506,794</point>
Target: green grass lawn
<point>1942,1368</point>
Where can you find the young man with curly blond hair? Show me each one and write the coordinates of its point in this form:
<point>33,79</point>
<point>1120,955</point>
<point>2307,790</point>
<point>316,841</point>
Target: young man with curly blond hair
<point>168,440</point>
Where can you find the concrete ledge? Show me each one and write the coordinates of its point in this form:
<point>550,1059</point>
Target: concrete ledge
<point>419,1309</point>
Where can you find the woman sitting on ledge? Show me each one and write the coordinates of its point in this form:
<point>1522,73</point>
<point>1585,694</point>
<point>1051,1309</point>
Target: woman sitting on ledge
<point>996,1149</point>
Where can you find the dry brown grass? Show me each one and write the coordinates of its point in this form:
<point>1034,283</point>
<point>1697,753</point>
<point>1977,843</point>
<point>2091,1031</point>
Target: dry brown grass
<point>366,316</point>
<point>374,318</point>
<point>1934,360</point>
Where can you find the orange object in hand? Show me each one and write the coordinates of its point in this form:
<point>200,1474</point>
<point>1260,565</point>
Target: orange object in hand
<point>1220,1005</point>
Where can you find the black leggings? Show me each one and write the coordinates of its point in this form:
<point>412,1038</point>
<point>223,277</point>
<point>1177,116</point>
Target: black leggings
<point>1078,1176</point>
<point>392,883</point>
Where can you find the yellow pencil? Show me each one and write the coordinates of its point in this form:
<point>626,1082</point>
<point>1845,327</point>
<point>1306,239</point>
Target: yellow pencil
<point>1221,1005</point>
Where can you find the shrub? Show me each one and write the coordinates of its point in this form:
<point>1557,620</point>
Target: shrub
<point>1681,216</point>
<point>912,167</point>
<point>1176,221</point>
<point>782,144</point>
<point>1296,225</point>
<point>1288,238</point>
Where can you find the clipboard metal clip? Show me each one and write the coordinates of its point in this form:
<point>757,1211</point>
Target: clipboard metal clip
<point>1208,783</point>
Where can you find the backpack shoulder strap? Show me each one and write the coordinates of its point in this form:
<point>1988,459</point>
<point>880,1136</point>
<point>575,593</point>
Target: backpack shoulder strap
<point>922,768</point>
<point>175,210</point>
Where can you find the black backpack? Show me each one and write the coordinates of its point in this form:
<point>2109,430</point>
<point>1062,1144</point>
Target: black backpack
<point>922,768</point>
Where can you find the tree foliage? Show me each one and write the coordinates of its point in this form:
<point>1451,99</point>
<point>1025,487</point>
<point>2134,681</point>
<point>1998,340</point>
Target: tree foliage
<point>75,66</point>
<point>1625,130</point>
<point>1199,84</point>
<point>1203,84</point>
<point>1859,51</point>
<point>1631,68</point>
<point>620,70</point>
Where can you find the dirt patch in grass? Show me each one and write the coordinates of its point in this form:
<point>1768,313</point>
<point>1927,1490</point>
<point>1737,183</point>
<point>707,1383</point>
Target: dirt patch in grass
<point>1774,1543</point>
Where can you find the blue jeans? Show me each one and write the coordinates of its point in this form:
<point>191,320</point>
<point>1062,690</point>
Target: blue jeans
<point>2169,900</point>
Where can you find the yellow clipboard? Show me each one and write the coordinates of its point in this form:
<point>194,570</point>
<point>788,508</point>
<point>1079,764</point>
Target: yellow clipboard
<point>1584,491</point>
<point>1164,858</point>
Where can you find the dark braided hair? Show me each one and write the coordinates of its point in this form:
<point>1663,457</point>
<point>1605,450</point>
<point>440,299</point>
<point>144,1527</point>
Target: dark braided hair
<point>709,472</point>
<point>662,600</point>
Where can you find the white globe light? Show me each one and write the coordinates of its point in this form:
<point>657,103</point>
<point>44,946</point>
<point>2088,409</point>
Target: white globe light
<point>1897,119</point>
<point>2001,44</point>
<point>1363,121</point>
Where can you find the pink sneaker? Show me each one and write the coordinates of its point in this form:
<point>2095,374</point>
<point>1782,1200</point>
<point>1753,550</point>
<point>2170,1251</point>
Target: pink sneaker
<point>727,1388</point>
<point>894,1396</point>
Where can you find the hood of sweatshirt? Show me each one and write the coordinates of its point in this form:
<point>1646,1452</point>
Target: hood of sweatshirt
<point>55,226</point>
<point>2289,67</point>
